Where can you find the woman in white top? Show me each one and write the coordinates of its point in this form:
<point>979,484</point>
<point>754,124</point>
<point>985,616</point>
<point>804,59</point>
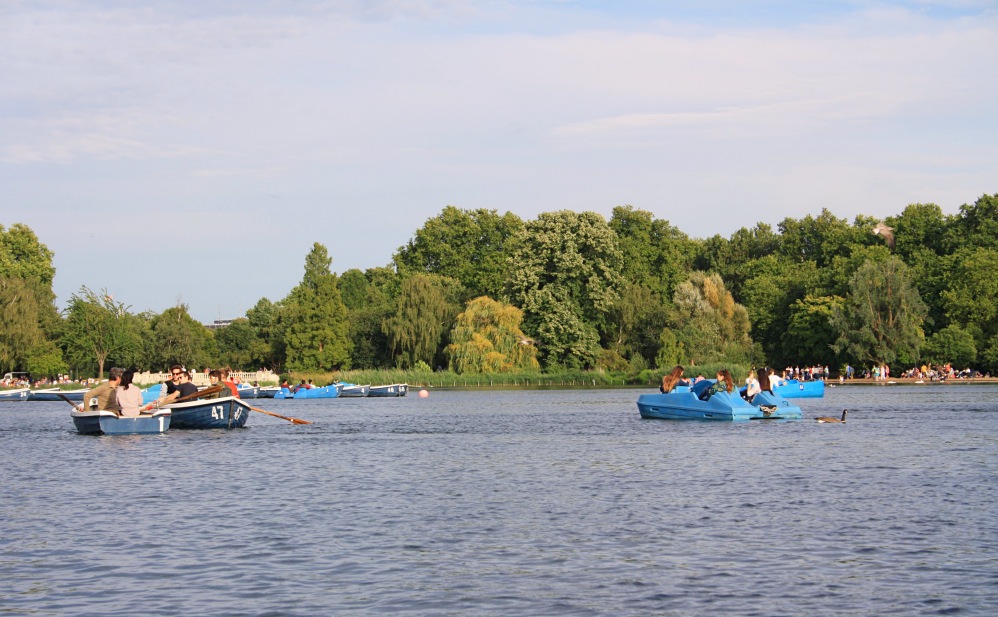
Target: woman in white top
<point>128,395</point>
<point>751,385</point>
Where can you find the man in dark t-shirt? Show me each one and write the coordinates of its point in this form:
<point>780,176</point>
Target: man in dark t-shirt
<point>183,388</point>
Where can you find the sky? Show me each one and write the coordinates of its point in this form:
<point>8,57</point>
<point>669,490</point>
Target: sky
<point>192,152</point>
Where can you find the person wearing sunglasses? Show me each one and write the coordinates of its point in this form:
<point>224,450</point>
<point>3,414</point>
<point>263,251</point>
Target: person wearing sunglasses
<point>182,385</point>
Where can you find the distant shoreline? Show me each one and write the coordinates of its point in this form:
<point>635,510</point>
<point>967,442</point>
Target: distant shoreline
<point>912,382</point>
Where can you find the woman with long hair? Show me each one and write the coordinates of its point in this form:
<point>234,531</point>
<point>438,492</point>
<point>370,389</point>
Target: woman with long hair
<point>128,395</point>
<point>724,383</point>
<point>672,379</point>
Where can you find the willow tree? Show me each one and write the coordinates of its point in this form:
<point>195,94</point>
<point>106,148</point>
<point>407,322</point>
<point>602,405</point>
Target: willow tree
<point>19,329</point>
<point>96,328</point>
<point>316,329</point>
<point>422,315</point>
<point>706,323</point>
<point>881,319</point>
<point>487,339</point>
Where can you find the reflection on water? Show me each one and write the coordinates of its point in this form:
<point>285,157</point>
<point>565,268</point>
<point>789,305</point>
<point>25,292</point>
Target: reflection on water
<point>513,502</point>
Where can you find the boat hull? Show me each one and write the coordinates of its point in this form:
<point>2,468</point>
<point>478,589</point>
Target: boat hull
<point>138,425</point>
<point>395,389</point>
<point>267,391</point>
<point>15,395</point>
<point>53,394</point>
<point>109,423</point>
<point>352,390</point>
<point>801,389</point>
<point>249,391</point>
<point>225,413</point>
<point>684,404</point>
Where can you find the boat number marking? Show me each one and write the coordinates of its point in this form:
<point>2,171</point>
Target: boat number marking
<point>239,412</point>
<point>218,412</point>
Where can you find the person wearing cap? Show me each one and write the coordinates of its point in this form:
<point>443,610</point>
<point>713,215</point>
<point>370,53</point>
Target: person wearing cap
<point>104,393</point>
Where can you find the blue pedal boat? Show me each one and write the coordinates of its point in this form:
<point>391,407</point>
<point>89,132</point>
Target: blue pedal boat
<point>109,423</point>
<point>684,403</point>
<point>801,389</point>
<point>226,412</point>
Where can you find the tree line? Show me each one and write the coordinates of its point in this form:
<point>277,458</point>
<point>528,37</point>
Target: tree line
<point>475,291</point>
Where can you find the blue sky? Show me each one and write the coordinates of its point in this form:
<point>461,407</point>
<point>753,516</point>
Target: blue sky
<point>193,152</point>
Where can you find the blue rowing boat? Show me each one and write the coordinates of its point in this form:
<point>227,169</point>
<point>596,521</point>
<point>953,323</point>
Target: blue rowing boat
<point>16,394</point>
<point>684,403</point>
<point>55,394</point>
<point>227,412</point>
<point>395,389</point>
<point>109,423</point>
<point>801,389</point>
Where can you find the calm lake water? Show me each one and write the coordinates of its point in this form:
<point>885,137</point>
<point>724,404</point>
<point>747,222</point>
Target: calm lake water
<point>536,502</point>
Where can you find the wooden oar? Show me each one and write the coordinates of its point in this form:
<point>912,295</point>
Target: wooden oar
<point>277,415</point>
<point>66,398</point>
<point>189,397</point>
<point>199,393</point>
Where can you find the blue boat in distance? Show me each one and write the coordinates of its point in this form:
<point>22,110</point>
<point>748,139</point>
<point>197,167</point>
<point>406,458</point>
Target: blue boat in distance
<point>109,423</point>
<point>227,412</point>
<point>395,389</point>
<point>801,389</point>
<point>353,390</point>
<point>15,394</point>
<point>53,394</point>
<point>684,403</point>
<point>330,391</point>
<point>248,391</point>
<point>268,391</point>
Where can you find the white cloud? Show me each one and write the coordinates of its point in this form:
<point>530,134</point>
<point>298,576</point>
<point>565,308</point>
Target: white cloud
<point>351,123</point>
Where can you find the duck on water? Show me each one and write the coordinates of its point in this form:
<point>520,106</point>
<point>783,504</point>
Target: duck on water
<point>830,419</point>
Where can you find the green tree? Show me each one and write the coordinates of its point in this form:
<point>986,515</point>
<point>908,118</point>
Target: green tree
<point>470,246</point>
<point>177,338</point>
<point>971,299</point>
<point>240,346</point>
<point>952,345</point>
<point>270,347</point>
<point>366,296</point>
<point>976,225</point>
<point>821,238</point>
<point>23,256</point>
<point>19,329</point>
<point>27,324</point>
<point>707,322</point>
<point>316,329</point>
<point>46,360</point>
<point>422,314</point>
<point>655,254</point>
<point>566,278</point>
<point>769,294</point>
<point>881,319</point>
<point>810,335</point>
<point>487,339</point>
<point>96,327</point>
<point>638,318</point>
